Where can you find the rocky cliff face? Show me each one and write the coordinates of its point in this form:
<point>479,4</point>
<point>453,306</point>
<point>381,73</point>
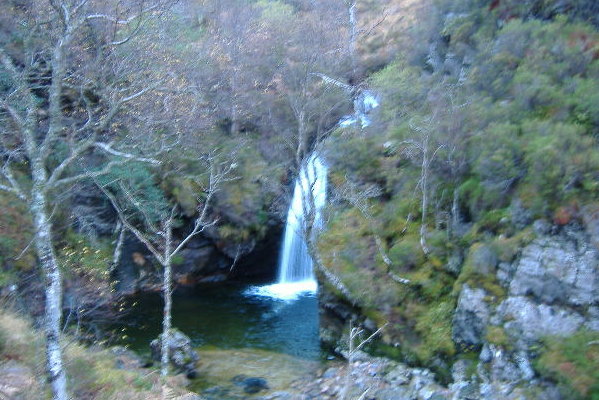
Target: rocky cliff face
<point>551,291</point>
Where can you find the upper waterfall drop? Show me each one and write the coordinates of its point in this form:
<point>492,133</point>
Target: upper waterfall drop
<point>296,274</point>
<point>364,103</point>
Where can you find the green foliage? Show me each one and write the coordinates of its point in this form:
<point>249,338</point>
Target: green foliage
<point>572,362</point>
<point>436,285</point>
<point>407,253</point>
<point>494,221</point>
<point>185,192</point>
<point>521,124</point>
<point>356,155</point>
<point>508,248</point>
<point>17,341</point>
<point>587,102</point>
<point>562,157</point>
<point>348,248</point>
<point>498,156</point>
<point>16,233</point>
<point>275,11</point>
<point>497,335</point>
<point>78,256</point>
<point>136,181</point>
<point>394,217</point>
<point>400,85</point>
<point>93,372</point>
<point>435,327</point>
<point>475,196</point>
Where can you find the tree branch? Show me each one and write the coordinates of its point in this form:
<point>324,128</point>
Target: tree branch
<point>121,21</point>
<point>108,149</point>
<point>13,190</point>
<point>138,234</point>
<point>58,171</point>
<point>88,174</point>
<point>14,185</point>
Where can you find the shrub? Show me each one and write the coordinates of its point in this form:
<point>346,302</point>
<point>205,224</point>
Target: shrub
<point>15,236</point>
<point>406,254</point>
<point>562,161</point>
<point>572,363</point>
<point>435,328</point>
<point>17,341</point>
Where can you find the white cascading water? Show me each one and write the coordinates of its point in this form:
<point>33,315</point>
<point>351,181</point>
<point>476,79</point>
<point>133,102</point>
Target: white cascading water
<point>296,273</point>
<point>364,103</point>
<point>296,264</point>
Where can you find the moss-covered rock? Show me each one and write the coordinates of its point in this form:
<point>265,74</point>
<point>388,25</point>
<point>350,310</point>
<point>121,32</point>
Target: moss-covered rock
<point>479,270</point>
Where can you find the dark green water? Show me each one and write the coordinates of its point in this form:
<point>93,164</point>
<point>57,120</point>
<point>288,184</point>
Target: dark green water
<point>225,317</point>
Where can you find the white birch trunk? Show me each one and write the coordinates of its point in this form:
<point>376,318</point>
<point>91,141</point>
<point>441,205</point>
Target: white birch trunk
<point>234,117</point>
<point>424,183</point>
<point>353,38</point>
<point>118,249</point>
<point>455,213</point>
<point>53,285</point>
<point>167,293</point>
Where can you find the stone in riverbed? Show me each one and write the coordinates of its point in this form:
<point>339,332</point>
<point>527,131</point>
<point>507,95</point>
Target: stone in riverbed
<point>181,354</point>
<point>278,396</point>
<point>250,385</point>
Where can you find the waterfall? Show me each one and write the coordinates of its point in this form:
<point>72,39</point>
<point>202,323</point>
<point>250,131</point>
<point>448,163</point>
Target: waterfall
<point>310,191</point>
<point>296,273</point>
<point>364,103</point>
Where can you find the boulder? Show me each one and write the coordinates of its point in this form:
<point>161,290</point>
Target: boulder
<point>250,385</point>
<point>505,272</point>
<point>18,381</point>
<point>459,370</point>
<point>542,227</point>
<point>125,358</point>
<point>471,317</point>
<point>484,259</point>
<point>506,366</point>
<point>182,356</point>
<point>195,260</point>
<point>533,320</point>
<point>557,270</point>
<point>593,318</point>
<point>520,216</point>
<point>590,216</point>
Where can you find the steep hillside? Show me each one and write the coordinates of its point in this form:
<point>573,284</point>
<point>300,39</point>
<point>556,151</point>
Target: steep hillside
<point>478,185</point>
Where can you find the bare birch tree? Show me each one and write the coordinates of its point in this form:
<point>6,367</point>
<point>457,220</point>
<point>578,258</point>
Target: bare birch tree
<point>54,113</point>
<point>355,334</point>
<point>158,238</point>
<point>423,146</point>
<point>355,32</point>
<point>358,196</point>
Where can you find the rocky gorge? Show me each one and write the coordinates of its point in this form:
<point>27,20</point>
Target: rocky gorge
<point>454,241</point>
